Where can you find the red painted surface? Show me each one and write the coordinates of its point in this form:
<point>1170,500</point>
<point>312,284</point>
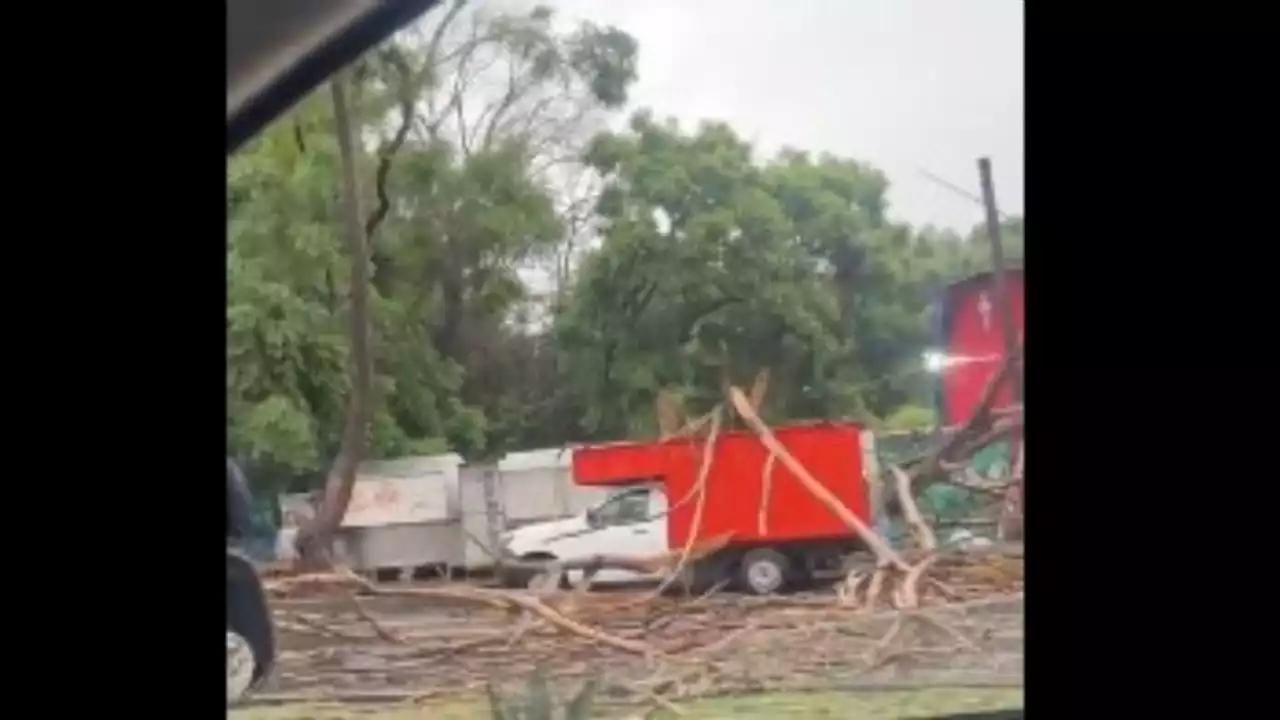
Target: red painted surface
<point>831,453</point>
<point>977,334</point>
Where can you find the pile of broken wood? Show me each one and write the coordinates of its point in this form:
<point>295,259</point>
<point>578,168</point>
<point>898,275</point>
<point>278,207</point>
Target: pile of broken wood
<point>921,574</point>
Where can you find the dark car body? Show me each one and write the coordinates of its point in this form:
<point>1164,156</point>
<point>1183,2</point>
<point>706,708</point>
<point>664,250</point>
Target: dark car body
<point>247,612</point>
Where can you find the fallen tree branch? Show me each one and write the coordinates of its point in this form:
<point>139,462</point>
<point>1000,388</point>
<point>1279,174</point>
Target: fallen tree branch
<point>309,623</point>
<point>847,591</point>
<point>877,544</point>
<point>505,600</point>
<point>766,489</point>
<point>874,588</point>
<point>550,581</point>
<point>704,471</point>
<point>378,628</point>
<point>915,521</point>
<point>963,437</point>
<point>695,553</point>
<point>969,479</point>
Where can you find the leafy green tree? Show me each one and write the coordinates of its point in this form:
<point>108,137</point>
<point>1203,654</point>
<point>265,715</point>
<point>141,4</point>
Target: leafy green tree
<point>537,278</point>
<point>459,189</point>
<point>713,264</point>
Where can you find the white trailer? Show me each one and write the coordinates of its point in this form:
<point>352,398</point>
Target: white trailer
<point>436,511</point>
<point>522,488</point>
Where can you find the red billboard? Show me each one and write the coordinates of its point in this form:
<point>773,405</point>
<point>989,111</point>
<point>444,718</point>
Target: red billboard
<point>974,343</point>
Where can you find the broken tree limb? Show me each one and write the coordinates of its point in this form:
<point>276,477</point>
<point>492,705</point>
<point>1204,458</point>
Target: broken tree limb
<point>1009,366</point>
<point>507,600</point>
<point>378,628</point>
<point>692,427</point>
<point>910,586</point>
<point>294,622</point>
<point>695,553</point>
<point>969,479</point>
<point>915,521</point>
<point>964,436</point>
<point>543,586</point>
<point>868,536</point>
<point>669,409</point>
<point>766,488</point>
<point>1000,429</point>
<point>700,485</point>
<point>874,588</point>
<point>847,591</point>
<point>759,388</point>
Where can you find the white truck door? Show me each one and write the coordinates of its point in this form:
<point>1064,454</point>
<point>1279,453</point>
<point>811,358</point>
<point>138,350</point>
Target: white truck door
<point>627,527</point>
<point>647,538</point>
<point>656,526</point>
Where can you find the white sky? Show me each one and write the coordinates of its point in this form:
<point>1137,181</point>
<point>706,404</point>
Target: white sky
<point>905,85</point>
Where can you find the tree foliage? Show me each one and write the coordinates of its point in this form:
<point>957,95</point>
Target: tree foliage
<point>538,278</point>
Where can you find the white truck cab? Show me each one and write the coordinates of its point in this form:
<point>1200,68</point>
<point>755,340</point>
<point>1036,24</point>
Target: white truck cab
<point>631,521</point>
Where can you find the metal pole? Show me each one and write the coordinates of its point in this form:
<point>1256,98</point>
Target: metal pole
<point>1003,304</point>
<point>1006,318</point>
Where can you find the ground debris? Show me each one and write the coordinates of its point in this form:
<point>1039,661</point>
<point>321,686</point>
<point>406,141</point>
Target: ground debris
<point>452,638</point>
<point>922,613</point>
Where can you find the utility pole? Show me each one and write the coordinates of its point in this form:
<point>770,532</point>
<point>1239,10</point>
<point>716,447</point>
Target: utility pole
<point>1005,306</point>
<point>1003,303</point>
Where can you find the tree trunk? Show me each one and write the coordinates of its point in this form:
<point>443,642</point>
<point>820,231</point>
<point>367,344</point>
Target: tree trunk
<point>315,539</point>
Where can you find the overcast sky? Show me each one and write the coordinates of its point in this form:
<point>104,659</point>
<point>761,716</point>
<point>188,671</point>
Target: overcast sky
<point>907,85</point>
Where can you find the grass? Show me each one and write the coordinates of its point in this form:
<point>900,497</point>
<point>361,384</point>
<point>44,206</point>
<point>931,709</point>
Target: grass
<point>866,705</point>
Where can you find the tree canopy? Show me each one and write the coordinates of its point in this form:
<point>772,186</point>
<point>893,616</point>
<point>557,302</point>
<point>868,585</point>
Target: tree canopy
<point>538,277</point>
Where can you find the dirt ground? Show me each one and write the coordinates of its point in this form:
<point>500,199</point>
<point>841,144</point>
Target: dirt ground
<point>385,652</point>
<point>867,705</point>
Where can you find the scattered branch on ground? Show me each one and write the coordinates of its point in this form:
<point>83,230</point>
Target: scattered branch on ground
<point>691,645</point>
<point>378,628</point>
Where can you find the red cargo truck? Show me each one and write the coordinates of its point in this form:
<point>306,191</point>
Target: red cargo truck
<point>778,533</point>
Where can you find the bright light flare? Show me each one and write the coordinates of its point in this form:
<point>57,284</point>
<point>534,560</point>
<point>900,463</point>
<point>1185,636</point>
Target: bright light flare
<point>936,362</point>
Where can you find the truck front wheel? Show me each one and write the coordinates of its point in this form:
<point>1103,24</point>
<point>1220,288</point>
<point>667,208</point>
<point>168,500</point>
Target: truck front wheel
<point>531,579</point>
<point>763,571</point>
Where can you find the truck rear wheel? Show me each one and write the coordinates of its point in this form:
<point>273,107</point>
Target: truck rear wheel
<point>763,571</point>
